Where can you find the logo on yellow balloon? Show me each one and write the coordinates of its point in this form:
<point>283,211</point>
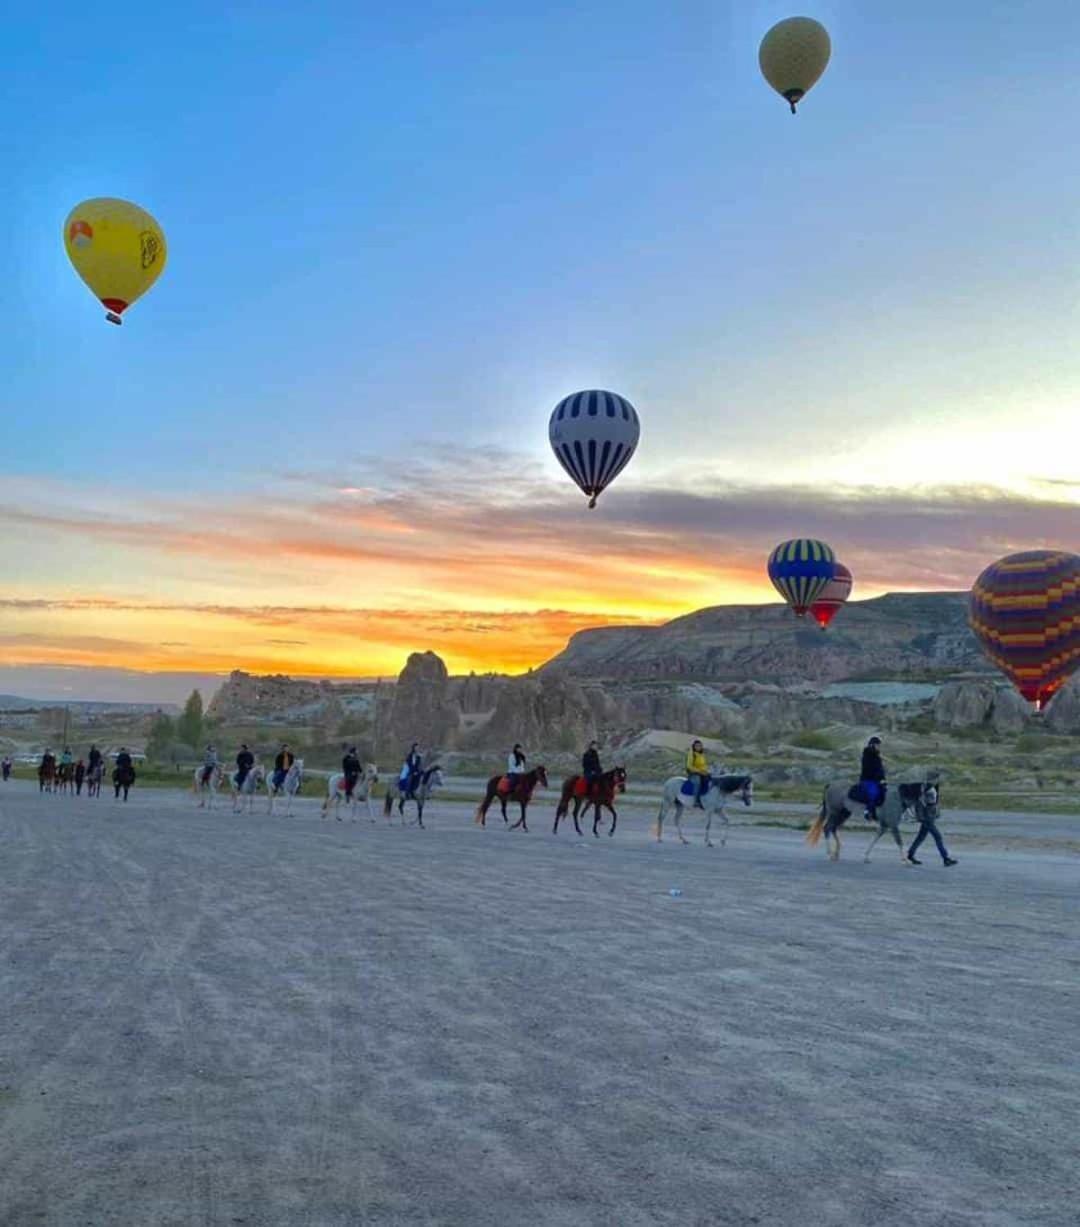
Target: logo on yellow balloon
<point>151,247</point>
<point>81,234</point>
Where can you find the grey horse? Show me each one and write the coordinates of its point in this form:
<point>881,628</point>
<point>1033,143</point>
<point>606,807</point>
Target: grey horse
<point>713,801</point>
<point>431,779</point>
<point>901,801</point>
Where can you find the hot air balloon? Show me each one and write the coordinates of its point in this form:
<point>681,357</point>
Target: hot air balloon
<point>1025,612</point>
<point>799,571</point>
<point>793,55</point>
<point>593,435</point>
<point>832,597</point>
<point>117,248</point>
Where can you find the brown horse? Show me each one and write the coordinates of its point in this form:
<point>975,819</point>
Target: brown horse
<point>520,790</point>
<point>47,773</point>
<point>598,792</point>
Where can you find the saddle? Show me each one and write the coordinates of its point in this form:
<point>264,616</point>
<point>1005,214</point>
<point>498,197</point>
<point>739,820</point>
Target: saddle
<point>857,793</point>
<point>581,787</point>
<point>505,788</point>
<point>687,789</point>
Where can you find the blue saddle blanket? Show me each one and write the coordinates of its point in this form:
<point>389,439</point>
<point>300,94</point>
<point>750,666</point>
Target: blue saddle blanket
<point>866,792</point>
<point>689,786</point>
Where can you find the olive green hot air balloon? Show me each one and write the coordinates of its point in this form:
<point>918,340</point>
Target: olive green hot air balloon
<point>793,55</point>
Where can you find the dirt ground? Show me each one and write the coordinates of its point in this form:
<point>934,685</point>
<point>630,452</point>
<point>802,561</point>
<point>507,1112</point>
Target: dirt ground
<point>209,1019</point>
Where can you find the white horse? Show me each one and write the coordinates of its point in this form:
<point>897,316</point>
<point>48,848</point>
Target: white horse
<point>430,779</point>
<point>362,791</point>
<point>247,790</point>
<point>713,800</point>
<point>290,786</point>
<point>205,786</point>
<point>901,801</point>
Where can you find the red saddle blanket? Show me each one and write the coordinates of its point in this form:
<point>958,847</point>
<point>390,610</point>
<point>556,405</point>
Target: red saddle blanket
<point>504,788</point>
<point>581,786</point>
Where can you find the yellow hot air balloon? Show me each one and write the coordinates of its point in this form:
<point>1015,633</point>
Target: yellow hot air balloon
<point>793,55</point>
<point>117,248</point>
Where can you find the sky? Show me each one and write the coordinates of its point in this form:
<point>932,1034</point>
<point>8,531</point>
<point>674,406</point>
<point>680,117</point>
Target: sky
<point>398,235</point>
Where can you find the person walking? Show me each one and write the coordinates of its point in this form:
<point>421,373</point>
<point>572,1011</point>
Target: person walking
<point>80,775</point>
<point>928,826</point>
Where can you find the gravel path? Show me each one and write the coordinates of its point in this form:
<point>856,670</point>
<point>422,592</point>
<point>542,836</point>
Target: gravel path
<point>209,1019</point>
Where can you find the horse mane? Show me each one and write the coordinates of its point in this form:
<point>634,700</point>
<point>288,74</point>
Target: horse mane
<point>735,782</point>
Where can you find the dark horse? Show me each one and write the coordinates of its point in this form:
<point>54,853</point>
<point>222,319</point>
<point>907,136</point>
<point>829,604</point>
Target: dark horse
<point>598,792</point>
<point>521,791</point>
<point>123,778</point>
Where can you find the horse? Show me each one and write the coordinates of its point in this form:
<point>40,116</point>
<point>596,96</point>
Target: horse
<point>47,774</point>
<point>206,784</point>
<point>519,789</point>
<point>598,792</point>
<point>94,776</point>
<point>713,800</point>
<point>65,778</point>
<point>123,778</point>
<point>430,779</point>
<point>837,806</point>
<point>247,790</point>
<point>362,791</point>
<point>288,787</point>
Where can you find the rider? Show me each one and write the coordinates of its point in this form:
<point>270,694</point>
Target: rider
<point>93,759</point>
<point>350,765</point>
<point>245,760</point>
<point>411,771</point>
<point>515,767</point>
<point>125,770</point>
<point>283,760</point>
<point>210,764</point>
<point>872,778</point>
<point>590,766</point>
<point>66,759</point>
<point>697,771</point>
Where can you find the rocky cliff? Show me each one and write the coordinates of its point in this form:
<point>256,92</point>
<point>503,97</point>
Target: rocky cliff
<point>899,635</point>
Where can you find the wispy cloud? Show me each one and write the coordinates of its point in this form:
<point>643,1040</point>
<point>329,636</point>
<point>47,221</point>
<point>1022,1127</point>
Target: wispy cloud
<point>472,554</point>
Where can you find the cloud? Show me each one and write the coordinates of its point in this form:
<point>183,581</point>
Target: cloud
<point>477,555</point>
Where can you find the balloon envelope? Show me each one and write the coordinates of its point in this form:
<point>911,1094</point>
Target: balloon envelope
<point>800,569</point>
<point>793,55</point>
<point>117,248</point>
<point>832,597</point>
<point>593,435</point>
<point>1025,612</point>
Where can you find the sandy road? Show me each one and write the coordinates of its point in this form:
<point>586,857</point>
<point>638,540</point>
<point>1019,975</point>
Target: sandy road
<point>210,1019</point>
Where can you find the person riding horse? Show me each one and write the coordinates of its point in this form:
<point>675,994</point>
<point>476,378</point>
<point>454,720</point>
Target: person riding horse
<point>516,767</point>
<point>123,773</point>
<point>697,771</point>
<point>350,767</point>
<point>210,764</point>
<point>283,761</point>
<point>872,778</point>
<point>412,770</point>
<point>93,759</point>
<point>590,765</point>
<point>245,760</point>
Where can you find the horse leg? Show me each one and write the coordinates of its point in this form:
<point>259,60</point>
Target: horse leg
<point>614,819</point>
<point>895,832</point>
<point>708,828</point>
<point>660,822</point>
<point>678,823</point>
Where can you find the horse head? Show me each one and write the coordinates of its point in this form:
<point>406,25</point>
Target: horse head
<point>619,778</point>
<point>541,776</point>
<point>929,802</point>
<point>371,773</point>
<point>748,790</point>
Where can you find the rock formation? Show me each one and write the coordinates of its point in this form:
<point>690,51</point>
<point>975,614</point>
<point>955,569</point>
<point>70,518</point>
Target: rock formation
<point>422,708</point>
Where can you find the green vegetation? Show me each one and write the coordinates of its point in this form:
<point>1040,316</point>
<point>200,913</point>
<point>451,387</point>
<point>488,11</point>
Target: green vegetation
<point>813,739</point>
<point>189,725</point>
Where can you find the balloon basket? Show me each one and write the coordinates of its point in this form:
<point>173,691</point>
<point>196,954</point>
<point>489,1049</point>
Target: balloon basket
<point>113,318</point>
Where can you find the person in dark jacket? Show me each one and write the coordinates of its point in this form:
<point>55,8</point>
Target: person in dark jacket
<point>411,771</point>
<point>80,776</point>
<point>872,778</point>
<point>590,763</point>
<point>93,759</point>
<point>282,762</point>
<point>245,760</point>
<point>350,766</point>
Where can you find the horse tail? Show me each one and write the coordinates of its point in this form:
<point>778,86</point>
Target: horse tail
<point>388,802</point>
<point>813,836</point>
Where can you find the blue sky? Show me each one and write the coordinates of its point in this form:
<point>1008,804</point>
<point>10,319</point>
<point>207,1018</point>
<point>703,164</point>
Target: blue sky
<point>395,232</point>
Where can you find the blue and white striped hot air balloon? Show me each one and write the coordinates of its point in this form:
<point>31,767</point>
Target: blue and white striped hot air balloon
<point>799,571</point>
<point>593,435</point>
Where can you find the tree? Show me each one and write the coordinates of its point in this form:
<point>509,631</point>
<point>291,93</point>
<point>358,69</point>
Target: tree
<point>162,735</point>
<point>189,727</point>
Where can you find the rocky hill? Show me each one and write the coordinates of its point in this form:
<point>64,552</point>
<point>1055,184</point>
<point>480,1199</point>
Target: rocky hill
<point>900,635</point>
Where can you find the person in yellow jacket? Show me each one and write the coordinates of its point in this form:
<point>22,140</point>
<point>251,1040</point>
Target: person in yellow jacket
<point>697,771</point>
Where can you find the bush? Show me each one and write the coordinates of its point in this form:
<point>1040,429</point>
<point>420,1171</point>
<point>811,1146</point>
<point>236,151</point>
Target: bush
<point>813,739</point>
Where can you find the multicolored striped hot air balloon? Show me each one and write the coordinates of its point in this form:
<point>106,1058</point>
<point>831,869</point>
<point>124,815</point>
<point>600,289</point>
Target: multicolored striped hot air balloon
<point>593,435</point>
<point>799,570</point>
<point>833,596</point>
<point>1025,612</point>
